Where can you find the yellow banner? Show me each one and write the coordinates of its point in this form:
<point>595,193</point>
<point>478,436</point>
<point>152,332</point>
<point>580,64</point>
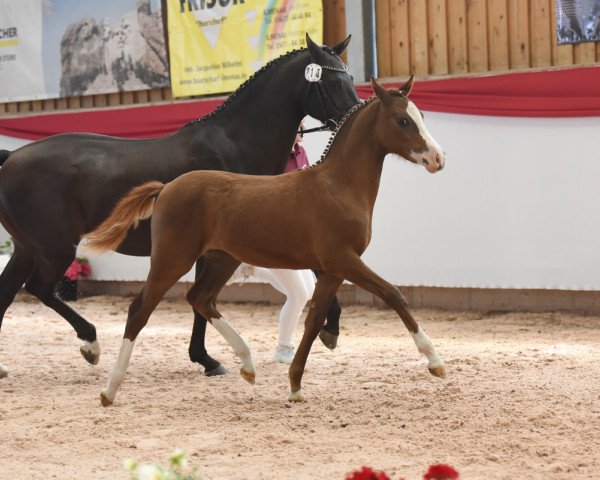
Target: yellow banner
<point>215,45</point>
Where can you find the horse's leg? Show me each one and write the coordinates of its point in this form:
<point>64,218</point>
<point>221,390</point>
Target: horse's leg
<point>15,273</point>
<point>48,271</point>
<point>165,270</point>
<point>358,273</point>
<point>331,330</point>
<point>197,350</point>
<point>218,268</point>
<point>325,290</point>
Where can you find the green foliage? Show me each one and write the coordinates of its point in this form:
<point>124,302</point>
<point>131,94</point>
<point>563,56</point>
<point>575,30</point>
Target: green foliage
<point>177,469</point>
<point>6,248</point>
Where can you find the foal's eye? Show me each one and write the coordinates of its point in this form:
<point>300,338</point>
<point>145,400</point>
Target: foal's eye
<point>403,122</point>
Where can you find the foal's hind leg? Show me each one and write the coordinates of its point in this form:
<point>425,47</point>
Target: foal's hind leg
<point>325,290</point>
<point>41,284</point>
<point>218,268</point>
<point>197,350</point>
<point>15,273</point>
<point>358,273</point>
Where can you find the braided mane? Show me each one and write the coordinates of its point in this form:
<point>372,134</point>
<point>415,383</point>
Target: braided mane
<point>247,82</point>
<point>348,114</point>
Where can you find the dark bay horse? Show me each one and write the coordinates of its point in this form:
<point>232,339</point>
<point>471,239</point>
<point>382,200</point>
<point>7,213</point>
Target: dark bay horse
<point>55,190</point>
<point>231,218</point>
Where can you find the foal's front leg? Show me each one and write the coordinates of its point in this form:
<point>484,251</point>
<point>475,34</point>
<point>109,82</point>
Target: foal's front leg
<point>362,276</point>
<point>325,290</point>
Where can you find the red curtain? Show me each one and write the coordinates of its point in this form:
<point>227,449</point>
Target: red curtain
<point>552,93</point>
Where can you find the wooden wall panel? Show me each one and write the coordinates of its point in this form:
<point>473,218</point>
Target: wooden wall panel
<point>400,35</point>
<point>518,35</point>
<point>499,58</point>
<point>477,35</point>
<point>457,36</point>
<point>383,35</point>
<point>437,33</point>
<point>541,36</point>
<point>584,53</point>
<point>418,44</point>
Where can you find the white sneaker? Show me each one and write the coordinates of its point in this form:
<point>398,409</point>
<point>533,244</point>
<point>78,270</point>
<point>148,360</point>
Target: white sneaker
<point>285,353</point>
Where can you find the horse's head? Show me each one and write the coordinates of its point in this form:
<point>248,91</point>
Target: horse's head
<point>330,90</point>
<point>401,130</point>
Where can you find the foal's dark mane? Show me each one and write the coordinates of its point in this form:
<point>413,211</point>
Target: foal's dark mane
<point>341,123</point>
<point>233,96</point>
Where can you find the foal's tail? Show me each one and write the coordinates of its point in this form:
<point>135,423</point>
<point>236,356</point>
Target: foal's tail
<point>4,156</point>
<point>135,206</point>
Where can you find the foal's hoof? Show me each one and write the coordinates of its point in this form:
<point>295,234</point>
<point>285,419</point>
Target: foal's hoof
<point>104,400</point>
<point>215,372</point>
<point>328,339</point>
<point>91,352</point>
<point>3,371</point>
<point>438,371</point>
<point>296,396</point>
<point>250,377</point>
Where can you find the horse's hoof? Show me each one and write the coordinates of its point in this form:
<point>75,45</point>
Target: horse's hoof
<point>3,371</point>
<point>439,371</point>
<point>104,400</point>
<point>250,377</point>
<point>216,372</point>
<point>296,396</point>
<point>91,352</point>
<point>328,339</point>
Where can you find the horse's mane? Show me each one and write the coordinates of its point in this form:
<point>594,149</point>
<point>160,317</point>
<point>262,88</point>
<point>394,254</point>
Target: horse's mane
<point>345,118</point>
<point>247,82</point>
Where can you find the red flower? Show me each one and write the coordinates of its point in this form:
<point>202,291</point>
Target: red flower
<point>367,473</point>
<point>440,472</point>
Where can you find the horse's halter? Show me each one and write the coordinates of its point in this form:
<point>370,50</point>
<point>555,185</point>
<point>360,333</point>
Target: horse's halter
<point>312,74</point>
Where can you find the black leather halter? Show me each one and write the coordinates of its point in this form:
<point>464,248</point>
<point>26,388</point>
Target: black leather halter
<point>331,111</point>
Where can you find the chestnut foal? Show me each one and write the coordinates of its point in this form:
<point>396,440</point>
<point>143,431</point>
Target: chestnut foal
<point>232,218</point>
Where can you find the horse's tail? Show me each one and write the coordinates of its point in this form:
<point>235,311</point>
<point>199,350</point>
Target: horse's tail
<point>135,206</point>
<point>4,156</point>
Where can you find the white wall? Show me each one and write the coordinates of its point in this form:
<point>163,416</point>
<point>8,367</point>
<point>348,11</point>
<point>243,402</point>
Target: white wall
<point>516,206</point>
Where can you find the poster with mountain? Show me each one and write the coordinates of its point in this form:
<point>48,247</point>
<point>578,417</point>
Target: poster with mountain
<point>62,48</point>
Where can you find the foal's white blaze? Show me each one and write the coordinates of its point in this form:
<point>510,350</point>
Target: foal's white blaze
<point>239,346</point>
<point>3,371</point>
<point>118,372</point>
<point>424,345</point>
<point>434,155</point>
<point>91,350</point>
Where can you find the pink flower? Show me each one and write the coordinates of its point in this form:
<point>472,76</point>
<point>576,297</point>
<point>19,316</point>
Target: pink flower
<point>78,267</point>
<point>73,271</point>
<point>440,472</point>
<point>85,269</point>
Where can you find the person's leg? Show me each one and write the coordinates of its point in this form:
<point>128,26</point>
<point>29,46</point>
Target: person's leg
<point>298,288</point>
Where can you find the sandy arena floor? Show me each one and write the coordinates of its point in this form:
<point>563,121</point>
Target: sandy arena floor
<point>522,399</point>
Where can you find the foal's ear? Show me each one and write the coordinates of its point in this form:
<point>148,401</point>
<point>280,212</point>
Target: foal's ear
<point>381,92</point>
<point>406,87</point>
<point>313,48</point>
<point>340,47</point>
